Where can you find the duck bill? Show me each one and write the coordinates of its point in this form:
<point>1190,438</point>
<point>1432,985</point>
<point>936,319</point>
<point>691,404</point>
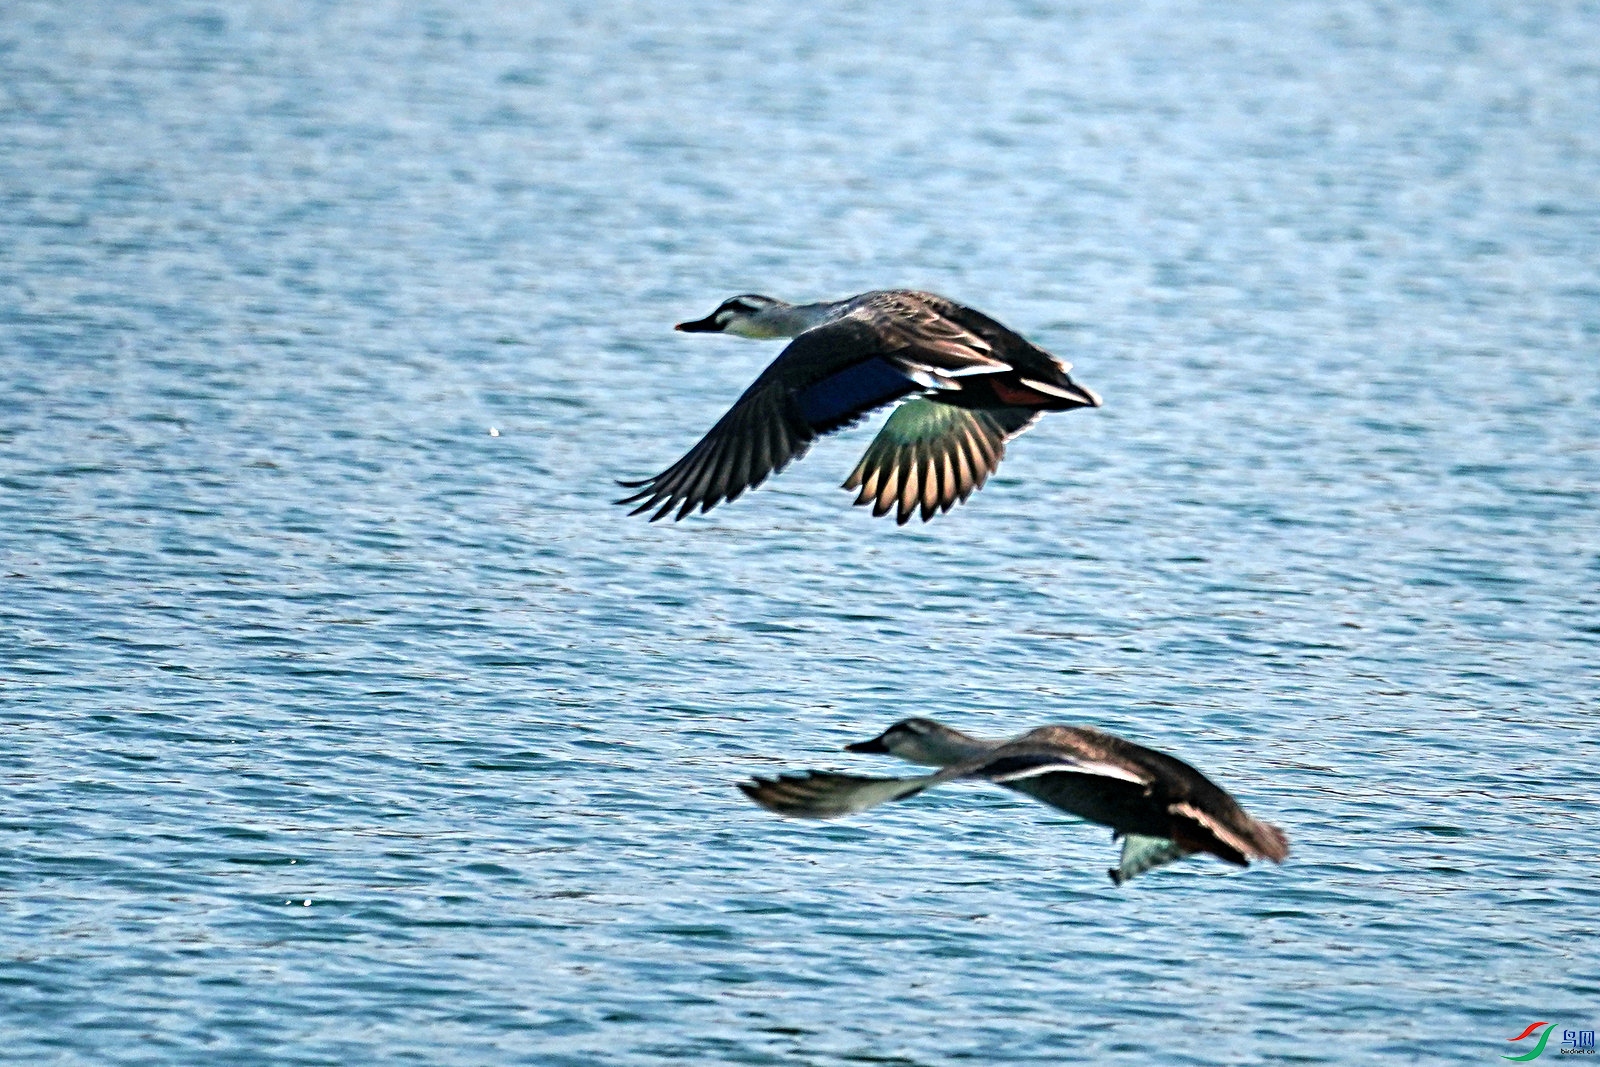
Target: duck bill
<point>875,747</point>
<point>705,325</point>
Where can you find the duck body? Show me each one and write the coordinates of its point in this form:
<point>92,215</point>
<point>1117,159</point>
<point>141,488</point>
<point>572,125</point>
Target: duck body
<point>1163,808</point>
<point>972,383</point>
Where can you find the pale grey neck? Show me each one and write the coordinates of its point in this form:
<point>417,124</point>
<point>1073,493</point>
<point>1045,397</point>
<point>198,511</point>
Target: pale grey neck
<point>944,748</point>
<point>792,320</point>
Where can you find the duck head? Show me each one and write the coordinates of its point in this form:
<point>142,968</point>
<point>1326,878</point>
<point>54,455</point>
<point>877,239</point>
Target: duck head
<point>748,315</point>
<point>923,741</point>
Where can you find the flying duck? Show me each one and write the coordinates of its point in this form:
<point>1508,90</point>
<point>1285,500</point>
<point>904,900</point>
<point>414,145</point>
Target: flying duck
<point>1161,807</point>
<point>977,385</point>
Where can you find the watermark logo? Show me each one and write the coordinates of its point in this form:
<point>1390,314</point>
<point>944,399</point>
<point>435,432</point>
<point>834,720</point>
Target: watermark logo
<point>1573,1042</point>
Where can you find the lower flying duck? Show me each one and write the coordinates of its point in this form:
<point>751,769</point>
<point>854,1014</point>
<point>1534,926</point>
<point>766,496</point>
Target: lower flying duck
<point>1162,808</point>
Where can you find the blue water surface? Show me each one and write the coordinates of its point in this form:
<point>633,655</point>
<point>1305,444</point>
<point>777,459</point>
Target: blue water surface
<point>344,720</point>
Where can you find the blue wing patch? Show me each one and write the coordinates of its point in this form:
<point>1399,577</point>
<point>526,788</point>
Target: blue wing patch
<point>854,390</point>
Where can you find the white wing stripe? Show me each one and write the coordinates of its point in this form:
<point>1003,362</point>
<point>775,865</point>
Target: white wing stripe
<point>1069,766</point>
<point>1051,390</point>
<point>1224,834</point>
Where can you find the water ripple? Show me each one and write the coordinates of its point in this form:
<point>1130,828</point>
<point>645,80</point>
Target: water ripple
<point>339,729</point>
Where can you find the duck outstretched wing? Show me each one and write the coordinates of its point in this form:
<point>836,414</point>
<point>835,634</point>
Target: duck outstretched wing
<point>1141,853</point>
<point>931,456</point>
<point>826,378</point>
<point>826,795</point>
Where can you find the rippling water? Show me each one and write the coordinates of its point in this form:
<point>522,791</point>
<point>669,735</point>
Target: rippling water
<point>339,730</point>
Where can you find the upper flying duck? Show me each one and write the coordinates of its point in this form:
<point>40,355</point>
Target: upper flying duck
<point>1161,807</point>
<point>977,384</point>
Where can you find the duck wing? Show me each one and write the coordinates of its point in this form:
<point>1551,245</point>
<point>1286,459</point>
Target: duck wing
<point>1228,833</point>
<point>929,347</point>
<point>826,795</point>
<point>1094,785</point>
<point>1141,853</point>
<point>1035,368</point>
<point>1098,786</point>
<point>932,455</point>
<point>1199,814</point>
<point>826,378</point>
